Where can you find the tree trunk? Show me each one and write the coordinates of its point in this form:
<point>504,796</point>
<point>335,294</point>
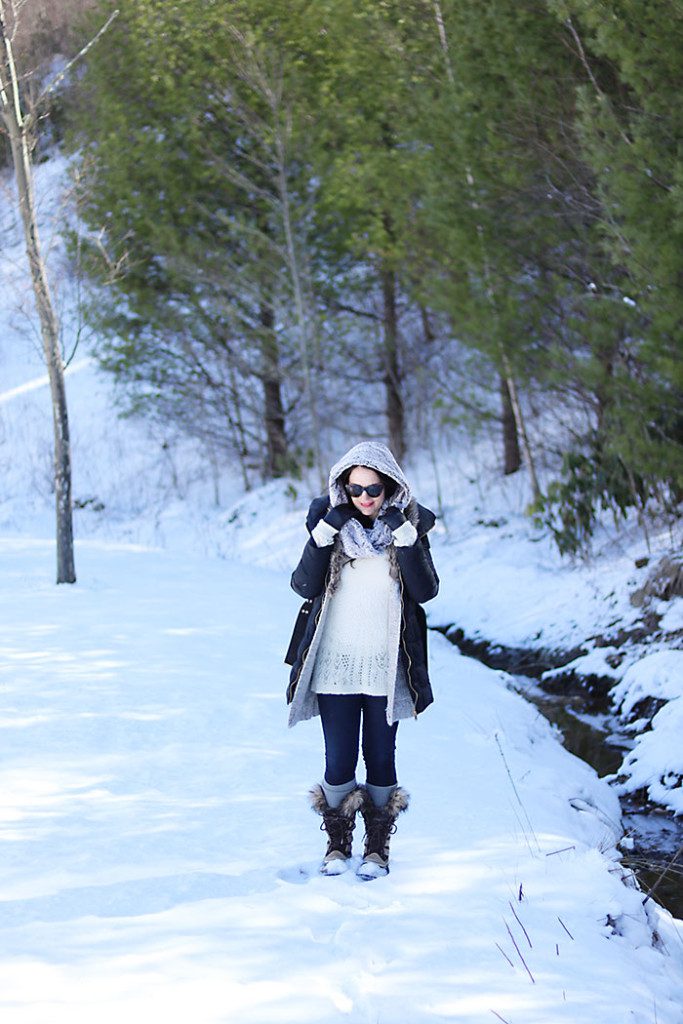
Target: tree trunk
<point>392,370</point>
<point>282,134</point>
<point>237,425</point>
<point>606,356</point>
<point>511,454</point>
<point>521,426</point>
<point>277,455</point>
<point>18,130</point>
<point>427,329</point>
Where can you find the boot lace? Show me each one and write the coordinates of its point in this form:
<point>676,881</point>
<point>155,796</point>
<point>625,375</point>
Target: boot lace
<point>379,827</point>
<point>339,829</point>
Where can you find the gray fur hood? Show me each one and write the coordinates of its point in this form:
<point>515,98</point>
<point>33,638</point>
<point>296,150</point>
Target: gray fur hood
<point>374,455</point>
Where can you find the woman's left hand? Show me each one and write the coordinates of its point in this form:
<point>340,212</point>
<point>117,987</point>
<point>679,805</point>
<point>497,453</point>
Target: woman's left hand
<point>403,531</point>
<point>393,517</point>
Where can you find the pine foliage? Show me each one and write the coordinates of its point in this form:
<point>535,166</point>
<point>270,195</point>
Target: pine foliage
<point>427,204</point>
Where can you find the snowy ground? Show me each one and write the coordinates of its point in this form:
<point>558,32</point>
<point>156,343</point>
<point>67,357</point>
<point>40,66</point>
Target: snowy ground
<point>154,823</point>
<point>153,817</point>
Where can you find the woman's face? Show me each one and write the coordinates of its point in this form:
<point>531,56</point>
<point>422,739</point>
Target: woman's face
<point>366,477</point>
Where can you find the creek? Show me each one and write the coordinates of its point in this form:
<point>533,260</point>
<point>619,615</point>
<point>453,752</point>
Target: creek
<point>589,731</point>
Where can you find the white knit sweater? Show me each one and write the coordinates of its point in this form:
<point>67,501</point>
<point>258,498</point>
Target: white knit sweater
<point>358,648</point>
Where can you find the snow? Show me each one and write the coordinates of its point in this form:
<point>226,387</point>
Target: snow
<point>594,662</point>
<point>656,761</point>
<point>159,854</point>
<point>658,675</point>
<point>154,822</point>
<point>672,614</point>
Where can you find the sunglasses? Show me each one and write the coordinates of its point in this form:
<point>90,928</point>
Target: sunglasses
<point>374,490</point>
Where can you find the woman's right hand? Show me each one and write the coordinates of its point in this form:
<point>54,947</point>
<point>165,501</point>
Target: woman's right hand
<point>329,526</point>
<point>339,516</point>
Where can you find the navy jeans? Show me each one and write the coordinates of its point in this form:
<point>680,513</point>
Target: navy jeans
<point>341,719</point>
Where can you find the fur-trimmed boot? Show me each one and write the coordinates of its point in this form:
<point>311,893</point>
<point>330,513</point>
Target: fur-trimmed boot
<point>339,823</point>
<point>380,825</point>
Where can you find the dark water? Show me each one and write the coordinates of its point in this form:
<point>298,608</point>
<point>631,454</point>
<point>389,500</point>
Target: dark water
<point>596,739</point>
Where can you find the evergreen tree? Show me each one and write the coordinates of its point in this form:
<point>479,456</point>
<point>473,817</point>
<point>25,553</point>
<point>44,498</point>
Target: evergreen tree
<point>519,259</point>
<point>630,122</point>
<point>330,199</point>
<point>363,84</point>
<point>181,194</point>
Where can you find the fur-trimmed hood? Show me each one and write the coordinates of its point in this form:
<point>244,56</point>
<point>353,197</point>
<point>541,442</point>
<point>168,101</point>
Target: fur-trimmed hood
<point>374,455</point>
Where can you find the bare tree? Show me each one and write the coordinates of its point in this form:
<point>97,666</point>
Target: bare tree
<point>20,126</point>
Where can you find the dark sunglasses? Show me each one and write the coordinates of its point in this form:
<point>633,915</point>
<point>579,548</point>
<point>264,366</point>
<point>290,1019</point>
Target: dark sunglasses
<point>374,490</point>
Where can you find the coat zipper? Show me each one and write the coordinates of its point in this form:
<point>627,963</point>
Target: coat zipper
<point>293,685</point>
<point>410,661</point>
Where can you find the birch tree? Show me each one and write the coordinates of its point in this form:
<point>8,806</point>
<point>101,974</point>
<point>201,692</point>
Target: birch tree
<point>20,125</point>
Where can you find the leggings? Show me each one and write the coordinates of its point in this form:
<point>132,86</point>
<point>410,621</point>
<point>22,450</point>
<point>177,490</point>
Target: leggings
<point>341,720</point>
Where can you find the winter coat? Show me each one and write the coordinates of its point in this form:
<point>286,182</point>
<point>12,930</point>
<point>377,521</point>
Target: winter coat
<point>317,575</point>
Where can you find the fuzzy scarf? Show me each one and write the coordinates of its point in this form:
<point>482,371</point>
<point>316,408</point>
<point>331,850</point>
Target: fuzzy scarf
<point>358,542</point>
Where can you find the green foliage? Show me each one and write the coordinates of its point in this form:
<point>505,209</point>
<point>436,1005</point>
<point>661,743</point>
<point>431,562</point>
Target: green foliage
<point>185,160</point>
<point>599,478</point>
<point>591,483</point>
<point>517,171</point>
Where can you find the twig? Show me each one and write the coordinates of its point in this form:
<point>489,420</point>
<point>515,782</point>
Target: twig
<point>343,308</point>
<point>81,53</point>
<point>582,56</point>
<point>499,1017</point>
<point>514,789</point>
<point>565,928</point>
<point>671,863</point>
<point>506,957</point>
<point>509,773</point>
<point>563,850</point>
<point>519,954</point>
<point>520,924</point>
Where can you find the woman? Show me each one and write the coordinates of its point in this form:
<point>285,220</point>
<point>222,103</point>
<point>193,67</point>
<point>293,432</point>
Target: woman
<point>359,651</point>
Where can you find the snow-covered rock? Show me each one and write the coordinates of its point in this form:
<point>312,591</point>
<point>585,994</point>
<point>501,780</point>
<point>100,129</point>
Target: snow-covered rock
<point>656,762</point>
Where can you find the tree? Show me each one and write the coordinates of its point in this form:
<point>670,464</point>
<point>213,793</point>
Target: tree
<point>630,122</point>
<point>194,194</point>
<point>303,197</point>
<point>366,165</point>
<point>20,126</point>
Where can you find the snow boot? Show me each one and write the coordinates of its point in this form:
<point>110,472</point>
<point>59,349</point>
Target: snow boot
<point>380,825</point>
<point>339,823</point>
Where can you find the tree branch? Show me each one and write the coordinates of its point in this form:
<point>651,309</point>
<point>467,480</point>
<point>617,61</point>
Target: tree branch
<point>341,307</point>
<point>81,53</point>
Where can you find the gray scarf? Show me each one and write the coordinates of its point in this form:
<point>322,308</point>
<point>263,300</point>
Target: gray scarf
<point>358,542</point>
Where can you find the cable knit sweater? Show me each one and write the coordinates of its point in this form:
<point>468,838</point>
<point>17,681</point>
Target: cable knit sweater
<point>357,649</point>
